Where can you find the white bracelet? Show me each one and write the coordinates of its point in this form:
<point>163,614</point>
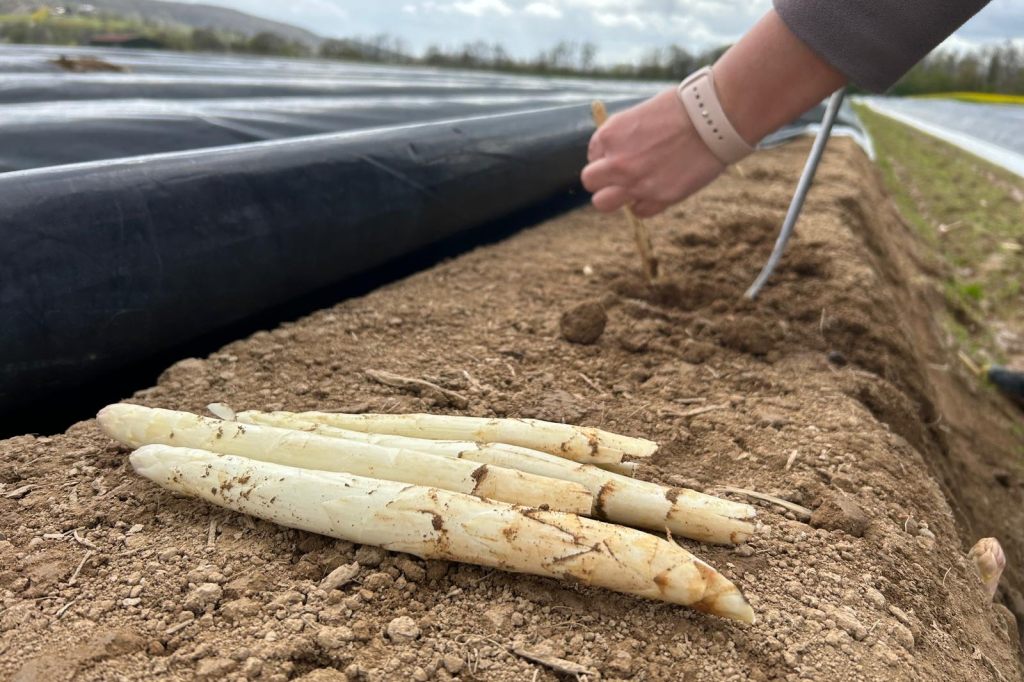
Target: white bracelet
<point>702,106</point>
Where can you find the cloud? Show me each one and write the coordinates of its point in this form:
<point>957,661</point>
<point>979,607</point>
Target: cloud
<point>543,9</point>
<point>622,29</point>
<point>613,20</point>
<point>478,8</point>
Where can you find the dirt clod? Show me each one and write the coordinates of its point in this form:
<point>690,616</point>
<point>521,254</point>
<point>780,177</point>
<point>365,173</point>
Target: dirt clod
<point>202,597</point>
<point>453,664</point>
<point>840,512</point>
<point>238,610</point>
<point>334,637</point>
<point>412,571</point>
<point>620,663</point>
<point>583,323</point>
<point>403,629</point>
<point>371,557</point>
<point>340,576</point>
<point>214,668</point>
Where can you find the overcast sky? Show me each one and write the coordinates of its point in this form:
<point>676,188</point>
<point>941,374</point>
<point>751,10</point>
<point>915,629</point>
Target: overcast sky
<point>623,29</point>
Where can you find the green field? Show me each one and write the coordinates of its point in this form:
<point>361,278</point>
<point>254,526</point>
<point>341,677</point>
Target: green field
<point>972,214</point>
<point>979,97</point>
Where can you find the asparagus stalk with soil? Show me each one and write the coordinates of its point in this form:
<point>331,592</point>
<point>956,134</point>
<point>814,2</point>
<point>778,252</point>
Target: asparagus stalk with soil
<point>622,499</point>
<point>437,524</point>
<point>583,444</point>
<point>134,426</point>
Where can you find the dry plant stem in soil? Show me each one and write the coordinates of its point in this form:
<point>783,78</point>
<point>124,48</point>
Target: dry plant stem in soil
<point>437,524</point>
<point>583,444</point>
<point>135,426</point>
<point>621,499</point>
<point>641,234</point>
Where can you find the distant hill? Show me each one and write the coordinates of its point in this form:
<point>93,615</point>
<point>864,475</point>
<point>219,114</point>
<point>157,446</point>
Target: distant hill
<point>181,14</point>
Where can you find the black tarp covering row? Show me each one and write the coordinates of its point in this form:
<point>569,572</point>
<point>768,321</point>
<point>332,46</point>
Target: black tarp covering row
<point>106,262</point>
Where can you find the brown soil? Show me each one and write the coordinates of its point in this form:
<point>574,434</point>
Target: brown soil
<point>834,391</point>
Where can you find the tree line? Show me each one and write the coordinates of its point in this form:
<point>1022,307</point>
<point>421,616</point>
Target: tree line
<point>566,58</point>
<point>993,69</point>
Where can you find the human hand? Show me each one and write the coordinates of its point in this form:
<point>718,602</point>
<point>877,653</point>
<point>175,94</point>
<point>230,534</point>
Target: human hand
<point>648,157</point>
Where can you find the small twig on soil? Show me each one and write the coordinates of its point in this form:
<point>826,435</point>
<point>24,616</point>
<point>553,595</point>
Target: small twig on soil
<point>590,383</point>
<point>702,410</point>
<point>472,382</point>
<point>78,569</point>
<point>21,492</point>
<point>555,663</point>
<point>211,534</point>
<point>791,459</point>
<point>112,490</point>
<point>82,541</point>
<point>62,610</point>
<point>969,363</point>
<point>690,401</point>
<point>180,626</point>
<point>945,575</point>
<point>442,395</point>
<point>795,508</point>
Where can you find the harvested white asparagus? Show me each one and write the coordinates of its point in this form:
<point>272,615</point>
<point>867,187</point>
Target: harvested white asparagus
<point>135,425</point>
<point>437,524</point>
<point>583,444</point>
<point>622,468</point>
<point>622,499</point>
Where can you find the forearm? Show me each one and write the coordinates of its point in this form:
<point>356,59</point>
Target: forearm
<point>770,77</point>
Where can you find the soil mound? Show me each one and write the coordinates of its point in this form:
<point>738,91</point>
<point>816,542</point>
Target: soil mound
<point>835,391</point>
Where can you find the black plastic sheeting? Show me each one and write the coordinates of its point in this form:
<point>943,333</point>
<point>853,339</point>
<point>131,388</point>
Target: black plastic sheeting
<point>173,102</point>
<point>115,244</point>
<point>106,262</point>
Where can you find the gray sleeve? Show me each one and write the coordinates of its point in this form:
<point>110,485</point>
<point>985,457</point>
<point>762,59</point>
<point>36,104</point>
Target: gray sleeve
<point>874,42</point>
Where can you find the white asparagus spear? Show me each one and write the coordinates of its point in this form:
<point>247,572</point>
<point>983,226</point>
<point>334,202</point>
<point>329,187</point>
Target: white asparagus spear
<point>135,425</point>
<point>437,524</point>
<point>622,499</point>
<point>623,468</point>
<point>990,561</point>
<point>579,443</point>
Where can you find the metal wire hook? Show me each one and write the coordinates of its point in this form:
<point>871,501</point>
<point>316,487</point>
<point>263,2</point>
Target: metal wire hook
<point>797,204</point>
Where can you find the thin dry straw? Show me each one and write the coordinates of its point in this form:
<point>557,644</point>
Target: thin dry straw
<point>640,232</point>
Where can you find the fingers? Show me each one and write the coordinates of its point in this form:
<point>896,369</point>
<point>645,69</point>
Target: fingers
<point>610,199</point>
<point>603,173</point>
<point>648,209</point>
<point>595,150</point>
